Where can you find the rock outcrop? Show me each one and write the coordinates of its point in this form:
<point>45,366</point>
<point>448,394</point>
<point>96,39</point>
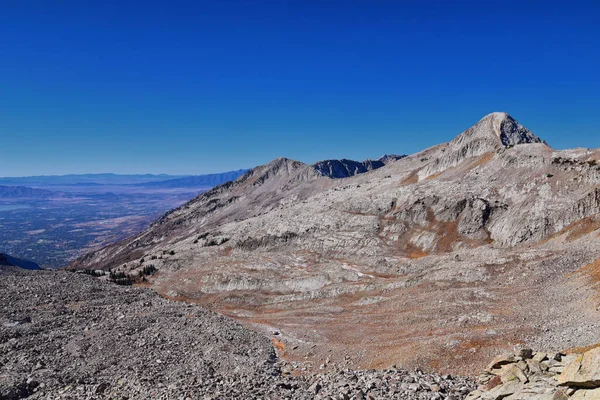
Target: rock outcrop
<point>541,376</point>
<point>583,371</point>
<point>343,168</point>
<point>337,169</point>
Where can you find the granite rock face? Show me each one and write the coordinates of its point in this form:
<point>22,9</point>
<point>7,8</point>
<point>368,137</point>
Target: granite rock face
<point>337,169</point>
<point>345,168</point>
<point>583,372</point>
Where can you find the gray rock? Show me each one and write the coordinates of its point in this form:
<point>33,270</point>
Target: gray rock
<point>121,342</point>
<point>583,371</point>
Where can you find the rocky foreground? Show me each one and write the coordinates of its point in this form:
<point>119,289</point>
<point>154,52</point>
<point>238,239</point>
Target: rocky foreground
<point>532,375</point>
<point>71,336</point>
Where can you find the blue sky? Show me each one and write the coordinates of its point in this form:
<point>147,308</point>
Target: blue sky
<point>208,86</point>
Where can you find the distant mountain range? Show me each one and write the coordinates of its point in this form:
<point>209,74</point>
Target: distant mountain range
<point>84,179</point>
<point>17,192</point>
<point>43,187</point>
<point>207,180</point>
<point>66,185</point>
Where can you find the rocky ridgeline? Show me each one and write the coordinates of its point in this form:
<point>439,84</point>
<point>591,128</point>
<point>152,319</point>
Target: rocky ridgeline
<point>541,376</point>
<point>71,336</point>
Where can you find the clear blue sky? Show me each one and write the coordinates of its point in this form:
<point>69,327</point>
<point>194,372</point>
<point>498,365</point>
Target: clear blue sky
<point>207,86</point>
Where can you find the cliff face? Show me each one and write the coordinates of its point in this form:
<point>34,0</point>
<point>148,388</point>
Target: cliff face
<point>345,168</point>
<point>428,257</point>
<point>337,169</point>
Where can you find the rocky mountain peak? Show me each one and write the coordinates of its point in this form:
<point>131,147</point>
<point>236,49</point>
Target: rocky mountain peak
<point>508,130</point>
<point>493,132</point>
<point>391,157</point>
<point>279,167</point>
<point>283,162</point>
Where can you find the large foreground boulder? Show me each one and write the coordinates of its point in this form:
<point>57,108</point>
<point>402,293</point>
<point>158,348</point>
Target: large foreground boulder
<point>541,376</point>
<point>583,372</point>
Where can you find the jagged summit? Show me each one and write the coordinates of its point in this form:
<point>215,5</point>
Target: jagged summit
<point>391,157</point>
<point>493,132</point>
<point>283,168</point>
<point>282,165</point>
<point>344,168</point>
<point>496,130</point>
<point>282,162</point>
<point>334,169</point>
<point>507,129</point>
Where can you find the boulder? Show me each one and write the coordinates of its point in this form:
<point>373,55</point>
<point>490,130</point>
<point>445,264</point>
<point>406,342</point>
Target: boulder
<point>541,376</point>
<point>535,367</point>
<point>560,395</point>
<point>538,393</point>
<point>587,394</point>
<point>499,361</point>
<point>512,372</point>
<point>540,356</point>
<point>526,354</point>
<point>583,371</point>
<point>502,391</point>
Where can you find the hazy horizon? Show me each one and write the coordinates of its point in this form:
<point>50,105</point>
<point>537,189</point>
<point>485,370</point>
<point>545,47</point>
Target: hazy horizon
<point>118,174</point>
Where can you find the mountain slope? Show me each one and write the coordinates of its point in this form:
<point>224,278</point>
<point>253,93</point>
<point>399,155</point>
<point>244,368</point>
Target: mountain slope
<point>256,192</point>
<point>8,261</point>
<point>436,257</point>
<point>493,132</point>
